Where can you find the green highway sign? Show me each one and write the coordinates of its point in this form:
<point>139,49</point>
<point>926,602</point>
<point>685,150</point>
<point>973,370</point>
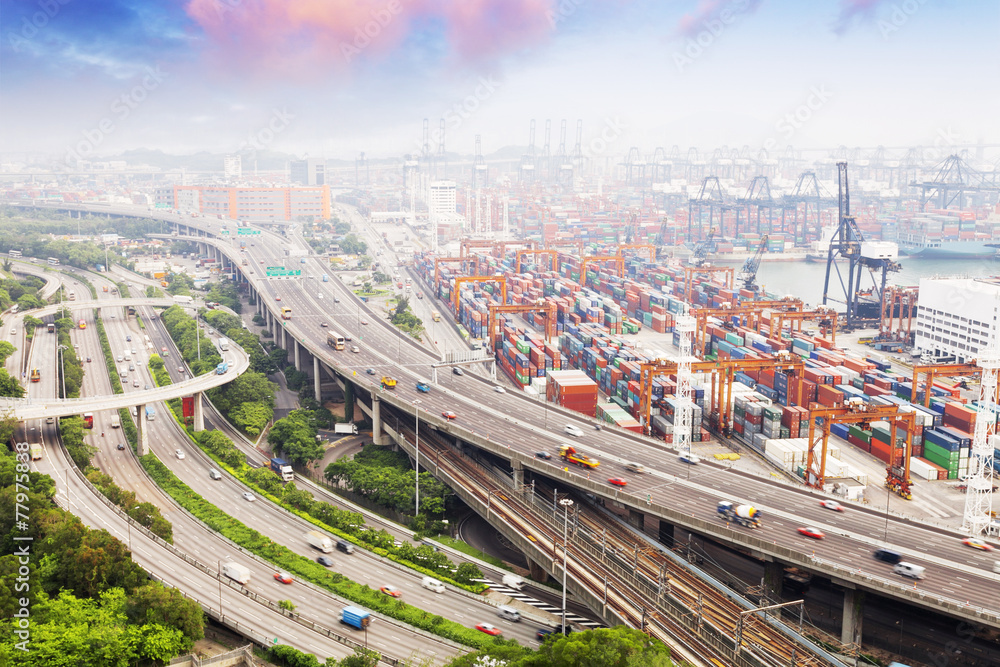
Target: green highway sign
<point>225,232</point>
<point>278,272</point>
<point>246,231</point>
<point>275,268</point>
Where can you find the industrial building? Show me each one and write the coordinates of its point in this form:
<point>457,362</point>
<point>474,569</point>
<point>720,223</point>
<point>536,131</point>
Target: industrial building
<point>957,317</point>
<point>311,171</point>
<point>246,203</point>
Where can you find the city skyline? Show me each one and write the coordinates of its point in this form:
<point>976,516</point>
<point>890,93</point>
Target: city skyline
<point>333,79</point>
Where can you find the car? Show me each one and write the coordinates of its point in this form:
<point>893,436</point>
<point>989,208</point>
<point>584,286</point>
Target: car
<point>180,369</point>
<point>617,481</point>
<point>283,577</point>
<point>423,387</point>
<point>370,371</point>
<point>542,633</point>
<point>261,261</point>
<point>325,561</point>
<point>500,390</point>
<point>392,591</point>
<point>135,383</point>
<point>449,415</point>
<point>133,351</point>
<point>457,371</point>
<point>179,453</point>
<point>977,543</point>
<point>573,430</point>
<point>831,505</point>
<point>489,629</point>
<point>88,360</point>
<point>812,532</point>
<point>355,349</point>
<point>147,387</point>
<point>128,339</point>
<point>364,322</point>
<point>324,324</point>
<point>277,298</point>
<point>688,457</point>
<point>336,299</point>
<point>249,497</point>
<point>121,446</point>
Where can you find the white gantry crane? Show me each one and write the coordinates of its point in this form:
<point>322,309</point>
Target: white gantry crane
<point>979,494</point>
<point>684,326</point>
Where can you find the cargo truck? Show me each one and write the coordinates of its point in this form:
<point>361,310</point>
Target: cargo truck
<point>745,515</point>
<point>318,540</point>
<point>222,368</point>
<point>282,469</point>
<point>223,344</point>
<point>115,421</point>
<point>355,617</point>
<point>236,572</point>
<point>182,298</point>
<point>513,581</point>
<point>36,451</point>
<point>347,429</point>
<point>570,455</point>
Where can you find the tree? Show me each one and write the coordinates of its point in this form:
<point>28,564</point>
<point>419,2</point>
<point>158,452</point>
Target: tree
<point>9,386</point>
<point>604,647</point>
<point>6,349</point>
<point>295,438</point>
<point>251,418</point>
<point>154,603</point>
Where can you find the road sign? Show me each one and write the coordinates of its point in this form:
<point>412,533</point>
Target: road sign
<point>225,232</point>
<point>246,231</point>
<point>275,268</point>
<point>279,272</point>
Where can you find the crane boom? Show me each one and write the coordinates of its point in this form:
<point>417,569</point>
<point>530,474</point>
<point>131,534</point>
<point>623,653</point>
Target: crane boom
<point>748,274</point>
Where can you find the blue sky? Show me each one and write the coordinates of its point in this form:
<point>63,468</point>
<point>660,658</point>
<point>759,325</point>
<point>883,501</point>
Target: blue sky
<point>103,76</point>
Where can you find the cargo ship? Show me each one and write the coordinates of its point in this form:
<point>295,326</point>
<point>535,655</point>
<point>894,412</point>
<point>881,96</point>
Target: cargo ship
<point>947,236</point>
<point>923,247</point>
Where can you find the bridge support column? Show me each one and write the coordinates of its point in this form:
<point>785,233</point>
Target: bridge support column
<point>142,433</point>
<point>518,474</point>
<point>316,389</point>
<point>283,343</point>
<point>536,571</point>
<point>774,576</point>
<point>854,613</point>
<point>376,420</point>
<point>298,360</point>
<point>199,412</point>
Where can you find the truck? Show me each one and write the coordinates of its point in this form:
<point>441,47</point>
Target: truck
<point>150,413</point>
<point>116,422</point>
<point>105,288</point>
<point>236,572</point>
<point>282,469</point>
<point>36,451</point>
<point>286,313</point>
<point>512,581</point>
<point>355,617</point>
<point>318,540</point>
<point>347,429</point>
<point>223,344</point>
<point>326,278</point>
<point>182,298</point>
<point>569,454</point>
<point>50,327</point>
<point>36,375</point>
<point>123,372</point>
<point>747,516</point>
<point>222,368</point>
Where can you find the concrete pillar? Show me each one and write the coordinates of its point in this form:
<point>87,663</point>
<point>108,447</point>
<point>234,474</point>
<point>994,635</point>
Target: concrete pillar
<point>376,420</point>
<point>199,412</point>
<point>536,571</point>
<point>298,360</point>
<point>142,444</point>
<point>518,474</point>
<point>854,613</point>
<point>316,389</point>
<point>774,577</point>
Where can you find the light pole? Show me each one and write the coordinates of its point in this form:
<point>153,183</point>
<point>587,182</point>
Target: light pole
<point>62,366</point>
<point>416,407</point>
<point>566,504</point>
<point>220,589</point>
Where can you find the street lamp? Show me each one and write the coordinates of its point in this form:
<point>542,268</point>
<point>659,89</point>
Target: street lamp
<point>416,407</point>
<point>566,504</point>
<point>220,589</point>
<point>62,366</point>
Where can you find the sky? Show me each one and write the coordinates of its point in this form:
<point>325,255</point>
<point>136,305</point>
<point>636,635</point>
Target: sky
<point>333,78</point>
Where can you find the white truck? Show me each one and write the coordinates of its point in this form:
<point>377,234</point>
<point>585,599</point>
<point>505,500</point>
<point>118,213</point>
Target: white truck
<point>223,344</point>
<point>318,540</point>
<point>348,429</point>
<point>183,298</point>
<point>236,572</point>
<point>513,581</point>
<point>115,421</point>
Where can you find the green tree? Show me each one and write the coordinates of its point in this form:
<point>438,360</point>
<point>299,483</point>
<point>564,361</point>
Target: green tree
<point>295,438</point>
<point>9,386</point>
<point>6,349</point>
<point>251,418</point>
<point>157,604</point>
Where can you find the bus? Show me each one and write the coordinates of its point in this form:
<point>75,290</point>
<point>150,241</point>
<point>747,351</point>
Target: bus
<point>436,316</point>
<point>13,253</point>
<point>36,376</point>
<point>36,451</point>
<point>335,340</point>
<point>286,313</point>
<point>88,420</point>
<point>53,261</point>
<point>82,324</point>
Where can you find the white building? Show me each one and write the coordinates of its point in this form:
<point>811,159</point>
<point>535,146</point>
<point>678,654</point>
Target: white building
<point>957,316</point>
<point>232,165</point>
<point>441,200</point>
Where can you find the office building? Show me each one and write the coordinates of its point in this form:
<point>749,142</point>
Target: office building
<point>232,165</point>
<point>957,317</point>
<point>311,171</point>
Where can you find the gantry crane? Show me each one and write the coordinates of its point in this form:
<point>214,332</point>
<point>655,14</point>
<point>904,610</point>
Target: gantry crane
<point>898,302</point>
<point>699,256</point>
<point>825,317</point>
<point>553,256</point>
<point>749,314</point>
<point>445,260</point>
<point>479,279</point>
<point>638,246</point>
<point>748,273</point>
<point>978,514</point>
<point>691,271</point>
<point>467,244</point>
<point>942,370</point>
<point>617,259</point>
<point>546,308</point>
<point>857,411</point>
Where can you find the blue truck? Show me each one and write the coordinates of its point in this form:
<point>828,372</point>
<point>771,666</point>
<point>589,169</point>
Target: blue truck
<point>150,413</point>
<point>222,368</point>
<point>355,617</point>
<point>326,278</point>
<point>282,469</point>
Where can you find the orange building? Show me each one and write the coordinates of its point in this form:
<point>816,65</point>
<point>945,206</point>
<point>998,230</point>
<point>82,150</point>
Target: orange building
<point>242,203</point>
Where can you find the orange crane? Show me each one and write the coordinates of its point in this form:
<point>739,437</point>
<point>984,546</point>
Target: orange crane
<point>480,279</point>
<point>638,246</point>
<point>901,302</point>
<point>553,256</point>
<point>548,309</point>
<point>466,244</point>
<point>617,259</point>
<point>691,271</point>
<point>749,313</point>
<point>859,412</point>
<point>443,260</point>
<point>942,370</point>
<point>825,318</point>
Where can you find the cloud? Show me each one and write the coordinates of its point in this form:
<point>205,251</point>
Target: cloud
<point>706,11</point>
<point>300,38</point>
<point>853,12</point>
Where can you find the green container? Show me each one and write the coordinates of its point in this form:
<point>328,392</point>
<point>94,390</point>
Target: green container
<point>882,435</point>
<point>861,434</point>
<point>940,453</point>
<point>522,346</point>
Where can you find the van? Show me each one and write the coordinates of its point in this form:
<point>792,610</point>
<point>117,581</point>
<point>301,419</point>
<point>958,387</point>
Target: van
<point>214,474</point>
<point>634,467</point>
<point>909,570</point>
<point>888,556</point>
<point>432,584</point>
<point>345,546</point>
<point>508,613</point>
<point>996,566</point>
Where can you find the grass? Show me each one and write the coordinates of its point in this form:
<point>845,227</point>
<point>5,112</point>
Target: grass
<point>470,550</point>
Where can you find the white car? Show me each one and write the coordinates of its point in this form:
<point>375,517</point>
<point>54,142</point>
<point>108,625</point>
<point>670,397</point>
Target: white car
<point>688,457</point>
<point>179,453</point>
<point>500,390</point>
<point>249,497</point>
<point>573,430</point>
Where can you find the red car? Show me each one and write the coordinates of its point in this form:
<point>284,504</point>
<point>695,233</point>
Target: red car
<point>491,630</point>
<point>832,505</point>
<point>977,543</point>
<point>814,533</point>
<point>617,481</point>
<point>449,415</point>
<point>277,298</point>
<point>283,577</point>
<point>392,591</point>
